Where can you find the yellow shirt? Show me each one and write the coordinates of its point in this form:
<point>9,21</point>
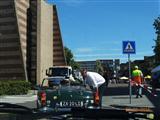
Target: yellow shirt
<point>137,76</point>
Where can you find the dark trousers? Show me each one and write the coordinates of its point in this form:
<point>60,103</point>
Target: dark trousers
<point>101,90</point>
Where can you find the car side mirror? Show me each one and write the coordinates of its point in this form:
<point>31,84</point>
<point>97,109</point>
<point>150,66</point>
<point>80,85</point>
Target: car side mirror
<point>47,72</point>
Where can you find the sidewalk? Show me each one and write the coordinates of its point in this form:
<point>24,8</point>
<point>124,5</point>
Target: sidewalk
<point>125,100</point>
<point>15,99</point>
<point>118,94</point>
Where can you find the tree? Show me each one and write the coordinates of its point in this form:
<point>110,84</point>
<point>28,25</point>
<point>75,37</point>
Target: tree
<point>99,67</point>
<point>74,64</point>
<point>68,55</point>
<point>156,50</point>
<point>70,58</point>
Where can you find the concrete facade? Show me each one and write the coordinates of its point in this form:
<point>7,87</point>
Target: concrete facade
<point>44,38</point>
<point>29,42</point>
<point>58,49</point>
<point>13,39</point>
<point>21,14</point>
<point>32,41</point>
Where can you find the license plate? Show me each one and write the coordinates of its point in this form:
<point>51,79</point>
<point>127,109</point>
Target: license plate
<point>71,104</point>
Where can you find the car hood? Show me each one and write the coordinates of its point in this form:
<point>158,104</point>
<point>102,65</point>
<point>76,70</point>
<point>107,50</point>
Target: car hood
<point>68,92</point>
<point>73,89</point>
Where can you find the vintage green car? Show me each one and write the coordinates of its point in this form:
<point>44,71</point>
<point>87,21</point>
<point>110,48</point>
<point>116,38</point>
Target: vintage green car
<point>56,92</point>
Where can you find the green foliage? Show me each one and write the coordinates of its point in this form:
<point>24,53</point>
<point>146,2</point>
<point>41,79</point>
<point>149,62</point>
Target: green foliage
<point>157,50</point>
<point>68,55</point>
<point>75,65</point>
<point>70,58</point>
<point>157,41</point>
<point>99,67</point>
<point>14,87</point>
<point>156,25</point>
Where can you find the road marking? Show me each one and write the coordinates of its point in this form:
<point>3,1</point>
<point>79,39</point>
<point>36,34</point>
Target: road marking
<point>18,99</point>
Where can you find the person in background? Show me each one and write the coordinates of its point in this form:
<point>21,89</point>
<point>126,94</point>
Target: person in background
<point>137,78</point>
<point>95,81</point>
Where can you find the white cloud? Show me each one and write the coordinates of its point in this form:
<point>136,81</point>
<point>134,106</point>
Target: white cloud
<point>83,50</point>
<point>96,55</point>
<point>106,49</point>
<point>111,52</point>
<point>122,57</point>
<point>145,52</point>
<point>113,49</point>
<point>89,50</point>
<point>111,42</point>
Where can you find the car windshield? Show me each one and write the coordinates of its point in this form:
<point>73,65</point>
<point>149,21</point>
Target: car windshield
<point>98,53</point>
<point>59,71</point>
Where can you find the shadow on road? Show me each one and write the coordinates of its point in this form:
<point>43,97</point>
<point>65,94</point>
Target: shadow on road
<point>154,99</point>
<point>116,89</point>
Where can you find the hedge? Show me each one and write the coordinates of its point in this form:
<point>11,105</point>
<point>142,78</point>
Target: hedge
<point>17,87</point>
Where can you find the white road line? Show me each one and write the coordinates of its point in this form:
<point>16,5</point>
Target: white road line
<point>18,99</point>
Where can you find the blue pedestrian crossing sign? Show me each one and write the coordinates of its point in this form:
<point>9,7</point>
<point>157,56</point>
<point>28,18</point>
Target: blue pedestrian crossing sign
<point>129,47</point>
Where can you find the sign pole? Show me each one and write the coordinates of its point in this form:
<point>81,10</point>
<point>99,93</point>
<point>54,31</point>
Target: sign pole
<point>130,87</point>
<point>129,47</point>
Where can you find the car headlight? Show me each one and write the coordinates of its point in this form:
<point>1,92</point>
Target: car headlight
<point>87,101</point>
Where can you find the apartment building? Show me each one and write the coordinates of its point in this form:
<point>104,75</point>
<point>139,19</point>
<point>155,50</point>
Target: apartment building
<point>13,40</point>
<point>30,39</point>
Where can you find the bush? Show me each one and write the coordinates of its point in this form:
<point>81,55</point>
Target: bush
<point>17,87</point>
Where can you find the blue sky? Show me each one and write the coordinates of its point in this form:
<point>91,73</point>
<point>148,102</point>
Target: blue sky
<point>95,29</point>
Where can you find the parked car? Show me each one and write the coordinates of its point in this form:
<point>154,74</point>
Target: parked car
<point>58,93</point>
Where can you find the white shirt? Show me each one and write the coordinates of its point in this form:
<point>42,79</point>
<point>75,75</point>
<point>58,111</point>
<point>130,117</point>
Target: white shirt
<point>94,79</point>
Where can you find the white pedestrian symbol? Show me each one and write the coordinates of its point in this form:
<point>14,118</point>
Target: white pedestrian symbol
<point>129,46</point>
